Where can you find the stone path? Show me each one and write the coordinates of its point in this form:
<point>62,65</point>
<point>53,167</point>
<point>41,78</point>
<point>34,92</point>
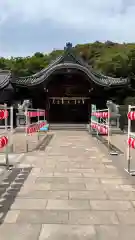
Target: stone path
<point>72,191</point>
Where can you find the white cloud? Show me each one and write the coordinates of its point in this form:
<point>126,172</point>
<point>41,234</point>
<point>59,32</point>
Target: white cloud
<point>114,18</point>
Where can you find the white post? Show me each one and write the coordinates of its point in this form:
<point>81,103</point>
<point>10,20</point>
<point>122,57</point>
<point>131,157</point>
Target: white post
<point>7,146</point>
<point>26,128</point>
<point>128,149</point>
<point>44,115</point>
<point>11,128</point>
<point>38,123</point>
<point>108,122</point>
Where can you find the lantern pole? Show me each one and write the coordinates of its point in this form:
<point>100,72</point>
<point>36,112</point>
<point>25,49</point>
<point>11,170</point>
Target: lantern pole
<point>129,149</point>
<point>26,128</point>
<point>108,129</point>
<point>11,128</point>
<point>7,145</point>
<point>38,113</point>
<point>130,118</point>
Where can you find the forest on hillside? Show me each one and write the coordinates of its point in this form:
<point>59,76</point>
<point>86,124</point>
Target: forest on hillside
<point>109,58</point>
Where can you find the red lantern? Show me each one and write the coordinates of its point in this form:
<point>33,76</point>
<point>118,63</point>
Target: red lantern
<point>3,141</point>
<point>101,114</point>
<point>5,114</point>
<point>31,130</point>
<point>133,143</point>
<point>131,115</point>
<point>106,131</point>
<point>27,130</point>
<point>1,114</point>
<point>130,141</point>
<point>98,128</point>
<point>102,130</point>
<point>97,115</point>
<point>105,114</point>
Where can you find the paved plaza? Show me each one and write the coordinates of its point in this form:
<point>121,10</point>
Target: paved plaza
<point>71,191</point>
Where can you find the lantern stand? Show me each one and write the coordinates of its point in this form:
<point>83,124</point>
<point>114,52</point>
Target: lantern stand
<point>44,116</point>
<point>26,133</point>
<point>114,153</point>
<point>30,127</point>
<point>103,120</point>
<point>38,123</point>
<point>6,148</point>
<point>11,129</point>
<point>4,140</point>
<point>128,169</point>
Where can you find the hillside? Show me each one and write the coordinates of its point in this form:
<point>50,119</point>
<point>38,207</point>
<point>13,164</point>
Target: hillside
<point>112,59</point>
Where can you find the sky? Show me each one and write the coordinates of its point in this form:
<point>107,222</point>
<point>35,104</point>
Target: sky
<point>33,26</point>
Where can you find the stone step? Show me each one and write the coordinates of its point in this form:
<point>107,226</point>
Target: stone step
<point>65,126</point>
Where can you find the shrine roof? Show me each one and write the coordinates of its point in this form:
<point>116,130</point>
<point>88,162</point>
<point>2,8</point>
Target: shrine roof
<point>68,60</point>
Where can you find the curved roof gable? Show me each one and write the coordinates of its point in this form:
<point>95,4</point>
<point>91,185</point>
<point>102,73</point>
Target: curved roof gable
<point>67,60</point>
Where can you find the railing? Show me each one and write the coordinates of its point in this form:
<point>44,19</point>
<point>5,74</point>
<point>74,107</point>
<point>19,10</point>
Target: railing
<point>33,127</point>
<point>8,132</point>
<point>131,138</point>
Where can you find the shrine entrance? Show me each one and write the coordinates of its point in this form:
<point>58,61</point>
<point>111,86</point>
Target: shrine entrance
<point>68,99</point>
<point>68,110</point>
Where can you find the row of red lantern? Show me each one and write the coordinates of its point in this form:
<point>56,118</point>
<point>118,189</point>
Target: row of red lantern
<point>3,141</point>
<point>101,114</point>
<point>35,114</point>
<point>3,114</point>
<point>131,142</point>
<point>131,115</point>
<point>101,129</point>
<point>35,128</point>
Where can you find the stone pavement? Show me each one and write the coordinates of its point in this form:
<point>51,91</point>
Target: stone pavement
<point>72,191</point>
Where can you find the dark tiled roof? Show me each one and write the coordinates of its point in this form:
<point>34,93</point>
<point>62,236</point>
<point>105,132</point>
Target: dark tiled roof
<point>94,76</point>
<point>67,60</point>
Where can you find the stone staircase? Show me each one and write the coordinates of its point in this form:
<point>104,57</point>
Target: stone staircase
<point>68,126</point>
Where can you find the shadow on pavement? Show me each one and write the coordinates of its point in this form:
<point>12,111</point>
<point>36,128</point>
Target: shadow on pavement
<point>10,187</point>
